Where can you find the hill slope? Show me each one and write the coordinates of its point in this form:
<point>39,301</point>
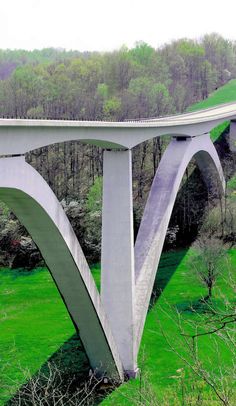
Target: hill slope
<point>224,94</point>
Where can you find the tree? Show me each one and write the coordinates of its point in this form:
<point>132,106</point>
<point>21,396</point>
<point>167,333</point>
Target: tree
<point>206,261</point>
<point>220,53</point>
<point>149,98</point>
<point>112,109</point>
<point>93,221</point>
<point>205,339</point>
<point>142,54</point>
<point>219,328</point>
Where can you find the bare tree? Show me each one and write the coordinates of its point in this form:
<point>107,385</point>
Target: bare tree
<point>52,386</point>
<point>206,260</point>
<point>218,324</point>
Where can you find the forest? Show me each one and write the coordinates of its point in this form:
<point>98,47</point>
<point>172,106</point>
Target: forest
<point>125,84</point>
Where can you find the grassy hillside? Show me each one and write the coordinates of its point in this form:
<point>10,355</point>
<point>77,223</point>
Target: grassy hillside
<point>224,94</point>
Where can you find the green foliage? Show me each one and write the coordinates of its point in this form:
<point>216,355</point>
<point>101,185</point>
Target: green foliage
<point>232,183</point>
<point>189,48</point>
<point>142,53</point>
<point>149,98</point>
<point>4,210</point>
<point>115,85</point>
<point>93,221</point>
<point>102,90</point>
<point>112,108</point>
<point>35,112</point>
<point>94,197</point>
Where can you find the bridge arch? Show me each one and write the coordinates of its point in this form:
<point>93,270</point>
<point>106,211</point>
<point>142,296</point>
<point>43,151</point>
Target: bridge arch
<point>31,199</point>
<point>158,210</point>
<point>28,195</point>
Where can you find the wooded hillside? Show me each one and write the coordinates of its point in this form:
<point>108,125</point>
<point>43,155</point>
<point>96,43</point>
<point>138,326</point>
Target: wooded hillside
<point>125,84</point>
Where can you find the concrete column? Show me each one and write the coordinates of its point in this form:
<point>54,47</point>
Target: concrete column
<point>117,283</point>
<point>158,210</point>
<point>28,195</point>
<point>232,136</point>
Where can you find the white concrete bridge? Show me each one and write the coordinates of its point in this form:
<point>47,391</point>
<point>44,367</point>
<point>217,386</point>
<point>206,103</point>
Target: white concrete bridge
<point>111,323</point>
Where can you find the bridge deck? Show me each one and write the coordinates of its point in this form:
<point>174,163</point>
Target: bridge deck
<point>22,135</point>
<point>223,111</point>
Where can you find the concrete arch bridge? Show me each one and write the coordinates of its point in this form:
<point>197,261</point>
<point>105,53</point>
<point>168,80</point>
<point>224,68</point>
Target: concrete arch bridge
<point>111,323</point>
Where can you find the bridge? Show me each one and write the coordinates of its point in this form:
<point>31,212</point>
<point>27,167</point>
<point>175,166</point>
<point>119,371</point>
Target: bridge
<point>110,324</point>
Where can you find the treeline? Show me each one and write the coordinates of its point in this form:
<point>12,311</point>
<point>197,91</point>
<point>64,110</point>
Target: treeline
<point>11,59</point>
<point>125,84</point>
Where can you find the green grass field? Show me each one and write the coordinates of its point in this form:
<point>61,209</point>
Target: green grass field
<point>35,324</point>
<point>160,365</point>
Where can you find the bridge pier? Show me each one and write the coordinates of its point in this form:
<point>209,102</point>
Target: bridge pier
<point>117,279</point>
<point>232,136</point>
<point>28,195</point>
<point>158,210</point>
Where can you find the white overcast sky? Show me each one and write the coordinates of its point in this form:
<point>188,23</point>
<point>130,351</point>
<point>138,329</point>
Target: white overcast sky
<point>108,24</point>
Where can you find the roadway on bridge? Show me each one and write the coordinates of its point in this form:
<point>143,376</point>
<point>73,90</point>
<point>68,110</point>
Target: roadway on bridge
<point>18,136</point>
<point>223,111</point>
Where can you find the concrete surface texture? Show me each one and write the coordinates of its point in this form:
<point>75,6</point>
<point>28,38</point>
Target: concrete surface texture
<point>20,136</point>
<point>110,325</point>
<point>232,136</point>
<point>158,209</point>
<point>27,194</point>
<point>117,283</point>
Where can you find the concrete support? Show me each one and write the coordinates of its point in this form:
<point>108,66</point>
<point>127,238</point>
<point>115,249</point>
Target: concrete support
<point>110,326</point>
<point>232,136</point>
<point>157,213</point>
<point>117,285</point>
<point>28,195</point>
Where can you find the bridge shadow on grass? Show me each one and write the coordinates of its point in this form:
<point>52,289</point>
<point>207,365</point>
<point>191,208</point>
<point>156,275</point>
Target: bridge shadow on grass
<point>203,305</point>
<point>65,379</point>
<point>168,264</point>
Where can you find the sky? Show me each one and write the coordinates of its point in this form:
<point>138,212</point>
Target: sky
<point>105,25</point>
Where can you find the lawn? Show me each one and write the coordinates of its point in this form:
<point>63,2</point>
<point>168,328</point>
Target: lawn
<point>35,324</point>
<point>161,367</point>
